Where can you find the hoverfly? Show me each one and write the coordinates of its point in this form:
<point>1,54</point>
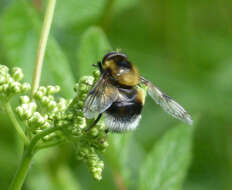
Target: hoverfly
<point>116,97</point>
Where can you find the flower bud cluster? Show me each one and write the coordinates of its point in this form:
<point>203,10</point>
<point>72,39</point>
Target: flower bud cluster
<point>94,140</point>
<point>79,122</point>
<point>89,145</point>
<point>10,82</point>
<point>90,157</point>
<point>43,111</point>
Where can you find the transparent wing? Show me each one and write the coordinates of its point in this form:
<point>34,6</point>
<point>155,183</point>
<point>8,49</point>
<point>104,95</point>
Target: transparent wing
<point>100,98</point>
<point>167,103</point>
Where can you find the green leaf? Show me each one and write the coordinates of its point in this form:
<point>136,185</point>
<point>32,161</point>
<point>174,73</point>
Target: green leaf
<point>94,45</point>
<point>126,166</point>
<point>166,166</point>
<point>124,5</point>
<point>74,17</point>
<point>20,32</point>
<point>75,13</point>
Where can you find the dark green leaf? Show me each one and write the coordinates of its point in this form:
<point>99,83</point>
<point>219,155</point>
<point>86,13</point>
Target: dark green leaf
<point>125,157</point>
<point>76,13</point>
<point>94,45</point>
<point>73,13</point>
<point>166,165</point>
<point>123,5</point>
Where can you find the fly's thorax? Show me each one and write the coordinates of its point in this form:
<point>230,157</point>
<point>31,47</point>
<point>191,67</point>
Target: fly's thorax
<point>126,94</point>
<point>121,70</point>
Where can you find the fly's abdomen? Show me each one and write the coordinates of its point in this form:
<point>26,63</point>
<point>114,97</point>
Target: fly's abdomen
<point>123,116</point>
<point>125,109</point>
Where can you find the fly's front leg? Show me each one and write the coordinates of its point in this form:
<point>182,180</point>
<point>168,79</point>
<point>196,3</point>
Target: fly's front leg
<point>94,123</point>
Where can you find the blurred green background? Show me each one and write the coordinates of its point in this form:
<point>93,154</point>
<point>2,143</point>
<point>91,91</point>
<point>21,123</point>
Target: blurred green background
<point>184,47</point>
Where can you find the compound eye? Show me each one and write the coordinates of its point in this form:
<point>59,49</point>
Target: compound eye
<point>124,64</point>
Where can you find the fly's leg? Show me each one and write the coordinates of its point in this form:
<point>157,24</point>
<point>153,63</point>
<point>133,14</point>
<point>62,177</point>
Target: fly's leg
<point>94,123</point>
<point>107,131</point>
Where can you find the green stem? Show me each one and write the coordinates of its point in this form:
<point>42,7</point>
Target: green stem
<point>38,137</point>
<point>16,124</point>
<point>22,170</point>
<point>29,150</point>
<point>27,158</point>
<point>51,144</point>
<point>42,44</point>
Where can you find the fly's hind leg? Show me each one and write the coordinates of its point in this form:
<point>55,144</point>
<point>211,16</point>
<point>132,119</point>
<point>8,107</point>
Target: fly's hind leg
<point>107,131</point>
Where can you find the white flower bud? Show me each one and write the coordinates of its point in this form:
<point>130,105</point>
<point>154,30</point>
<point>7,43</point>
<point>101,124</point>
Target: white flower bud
<point>87,79</point>
<point>28,114</point>
<point>37,131</point>
<point>53,89</point>
<point>46,138</point>
<point>52,104</point>
<point>97,176</point>
<point>45,100</point>
<point>24,99</point>
<point>38,94</point>
<point>43,90</point>
<point>26,87</point>
<point>101,164</point>
<point>61,104</point>
<point>2,79</point>
<point>16,87</point>
<point>4,68</point>
<point>25,106</point>
<point>46,125</point>
<point>38,118</point>
<point>17,74</point>
<point>20,111</point>
<point>33,106</point>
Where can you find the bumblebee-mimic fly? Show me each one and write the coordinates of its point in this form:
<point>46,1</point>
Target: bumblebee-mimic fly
<point>118,99</point>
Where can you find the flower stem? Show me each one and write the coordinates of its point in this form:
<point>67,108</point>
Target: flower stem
<point>22,170</point>
<point>30,145</point>
<point>27,158</point>
<point>42,44</point>
<point>51,144</point>
<point>39,136</point>
<point>16,124</point>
